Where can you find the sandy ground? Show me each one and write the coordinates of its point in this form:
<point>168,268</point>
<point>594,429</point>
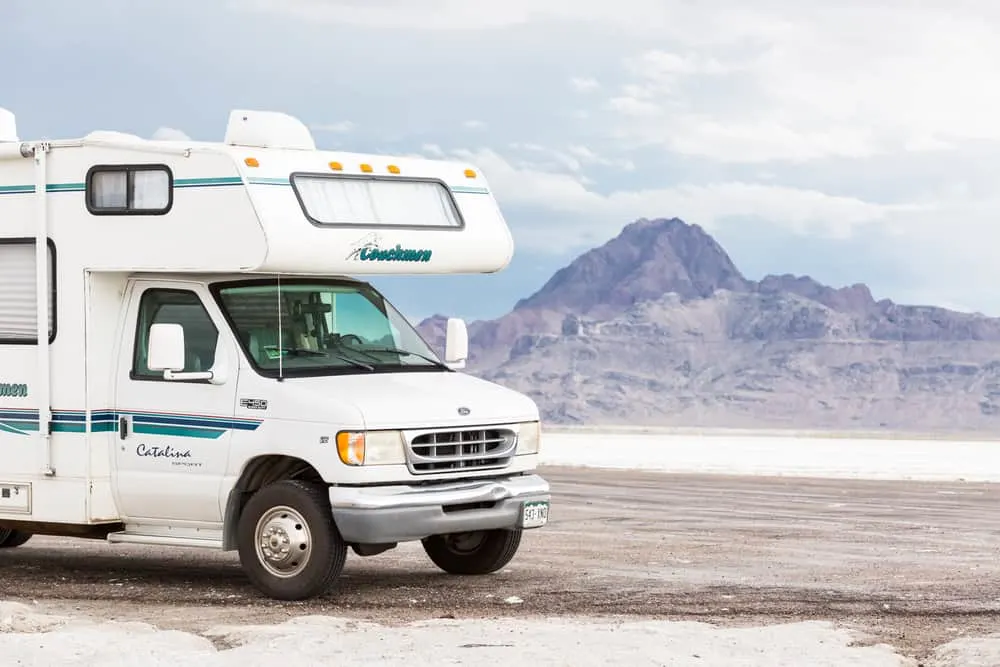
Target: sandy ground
<point>909,564</point>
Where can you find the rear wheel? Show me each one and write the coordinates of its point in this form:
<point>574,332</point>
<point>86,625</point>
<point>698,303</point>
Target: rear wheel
<point>481,552</point>
<point>10,538</point>
<point>288,544</point>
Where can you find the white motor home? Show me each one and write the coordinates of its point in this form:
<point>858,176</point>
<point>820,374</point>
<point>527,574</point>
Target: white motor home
<point>186,360</point>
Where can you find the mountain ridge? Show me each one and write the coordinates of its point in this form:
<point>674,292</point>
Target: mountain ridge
<point>668,288</point>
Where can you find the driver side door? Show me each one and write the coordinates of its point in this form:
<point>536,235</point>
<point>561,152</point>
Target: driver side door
<point>173,437</point>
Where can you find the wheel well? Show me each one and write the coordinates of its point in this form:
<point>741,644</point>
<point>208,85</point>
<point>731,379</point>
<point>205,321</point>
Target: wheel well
<point>258,473</point>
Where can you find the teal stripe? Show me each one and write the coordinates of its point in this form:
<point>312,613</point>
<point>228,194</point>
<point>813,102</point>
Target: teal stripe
<point>64,187</point>
<point>224,181</point>
<point>207,182</point>
<point>81,187</point>
<point>179,431</point>
<point>24,422</point>
<point>269,181</point>
<point>51,187</point>
<point>80,427</point>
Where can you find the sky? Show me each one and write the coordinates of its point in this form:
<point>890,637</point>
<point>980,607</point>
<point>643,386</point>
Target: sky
<point>853,143</point>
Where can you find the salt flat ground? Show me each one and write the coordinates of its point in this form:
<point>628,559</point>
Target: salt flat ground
<point>881,559</point>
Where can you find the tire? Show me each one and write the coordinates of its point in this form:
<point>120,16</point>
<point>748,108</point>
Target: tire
<point>298,514</point>
<point>482,552</point>
<point>10,538</point>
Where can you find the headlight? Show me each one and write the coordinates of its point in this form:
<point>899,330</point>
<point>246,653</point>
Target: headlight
<point>529,438</point>
<point>371,448</point>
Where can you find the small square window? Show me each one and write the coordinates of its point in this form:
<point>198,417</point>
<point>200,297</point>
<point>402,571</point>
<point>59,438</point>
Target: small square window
<point>129,190</point>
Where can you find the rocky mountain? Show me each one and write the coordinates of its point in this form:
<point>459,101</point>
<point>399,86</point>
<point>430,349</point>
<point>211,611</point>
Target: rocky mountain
<point>659,327</point>
<point>648,259</point>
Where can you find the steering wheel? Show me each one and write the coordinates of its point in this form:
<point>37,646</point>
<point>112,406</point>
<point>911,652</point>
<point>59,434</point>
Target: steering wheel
<point>344,338</point>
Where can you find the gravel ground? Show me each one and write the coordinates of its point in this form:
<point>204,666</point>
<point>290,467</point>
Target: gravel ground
<point>909,564</point>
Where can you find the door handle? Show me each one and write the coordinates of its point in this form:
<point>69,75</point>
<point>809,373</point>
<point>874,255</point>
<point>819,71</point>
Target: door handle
<point>122,428</point>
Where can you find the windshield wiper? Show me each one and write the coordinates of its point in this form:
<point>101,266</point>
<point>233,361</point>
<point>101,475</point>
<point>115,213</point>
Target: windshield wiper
<point>396,350</point>
<point>303,351</point>
<point>358,364</point>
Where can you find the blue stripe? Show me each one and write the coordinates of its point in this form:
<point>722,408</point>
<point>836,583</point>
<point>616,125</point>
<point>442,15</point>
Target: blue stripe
<point>82,417</point>
<point>22,421</point>
<point>19,414</point>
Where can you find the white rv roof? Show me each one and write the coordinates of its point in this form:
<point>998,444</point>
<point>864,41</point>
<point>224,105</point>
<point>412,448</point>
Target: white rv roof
<point>277,204</point>
<point>247,129</point>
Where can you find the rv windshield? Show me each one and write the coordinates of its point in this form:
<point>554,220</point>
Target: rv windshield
<point>322,328</point>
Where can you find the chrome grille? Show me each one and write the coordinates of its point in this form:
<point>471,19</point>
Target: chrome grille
<point>459,450</point>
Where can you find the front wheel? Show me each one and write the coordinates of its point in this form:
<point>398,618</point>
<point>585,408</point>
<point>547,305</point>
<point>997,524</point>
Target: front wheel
<point>10,538</point>
<point>481,552</point>
<point>288,543</point>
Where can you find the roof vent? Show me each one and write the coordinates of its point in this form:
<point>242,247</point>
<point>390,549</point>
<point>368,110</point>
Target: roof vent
<point>8,125</point>
<point>267,129</point>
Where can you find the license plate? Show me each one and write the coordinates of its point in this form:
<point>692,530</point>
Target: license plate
<point>534,514</point>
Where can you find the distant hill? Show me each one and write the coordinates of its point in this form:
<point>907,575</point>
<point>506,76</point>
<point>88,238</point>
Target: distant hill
<point>659,327</point>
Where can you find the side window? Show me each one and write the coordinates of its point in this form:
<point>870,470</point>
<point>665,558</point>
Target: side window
<point>145,189</point>
<point>18,307</point>
<point>175,307</point>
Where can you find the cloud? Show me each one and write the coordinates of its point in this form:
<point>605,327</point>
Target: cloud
<point>433,151</point>
<point>873,122</point>
<point>588,157</point>
<point>170,134</point>
<point>931,248</point>
<point>811,83</point>
<point>800,210</point>
<point>340,127</point>
<point>464,15</point>
<point>573,159</point>
<point>584,84</point>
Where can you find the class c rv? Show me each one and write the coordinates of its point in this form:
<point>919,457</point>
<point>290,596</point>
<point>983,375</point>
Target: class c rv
<point>190,356</point>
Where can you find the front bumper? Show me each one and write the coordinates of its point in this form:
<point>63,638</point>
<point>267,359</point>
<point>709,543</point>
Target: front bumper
<point>401,513</point>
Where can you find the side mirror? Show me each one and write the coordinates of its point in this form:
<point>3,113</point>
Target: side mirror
<point>166,353</point>
<point>166,348</point>
<point>456,346</point>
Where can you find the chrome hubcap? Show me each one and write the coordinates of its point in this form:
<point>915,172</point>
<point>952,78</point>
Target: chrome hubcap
<point>465,543</point>
<point>283,541</point>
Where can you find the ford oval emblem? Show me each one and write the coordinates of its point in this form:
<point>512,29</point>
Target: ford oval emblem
<point>464,411</point>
